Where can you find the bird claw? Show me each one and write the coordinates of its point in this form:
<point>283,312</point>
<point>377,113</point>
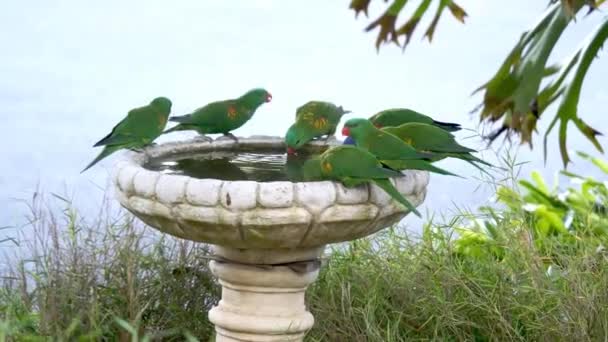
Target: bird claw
<point>229,136</point>
<point>203,138</point>
<point>136,150</point>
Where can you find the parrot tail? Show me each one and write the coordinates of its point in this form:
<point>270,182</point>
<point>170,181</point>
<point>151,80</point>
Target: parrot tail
<point>447,126</point>
<point>181,119</point>
<point>477,166</point>
<point>422,165</point>
<point>386,185</point>
<point>104,153</point>
<point>471,157</point>
<point>175,128</point>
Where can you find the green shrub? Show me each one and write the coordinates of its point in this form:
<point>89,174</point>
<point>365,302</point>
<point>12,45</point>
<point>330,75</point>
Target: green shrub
<point>533,267</point>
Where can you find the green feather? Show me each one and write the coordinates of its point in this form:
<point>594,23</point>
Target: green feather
<point>104,153</point>
<point>422,165</point>
<point>398,116</point>
<point>221,116</point>
<point>313,119</point>
<point>140,127</point>
<point>386,185</point>
<point>390,149</point>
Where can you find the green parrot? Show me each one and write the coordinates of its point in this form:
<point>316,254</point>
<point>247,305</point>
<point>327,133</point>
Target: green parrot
<point>389,149</point>
<point>295,166</point>
<point>222,116</point>
<point>399,116</point>
<point>313,119</point>
<point>139,128</point>
<point>311,169</point>
<point>429,138</point>
<point>353,166</point>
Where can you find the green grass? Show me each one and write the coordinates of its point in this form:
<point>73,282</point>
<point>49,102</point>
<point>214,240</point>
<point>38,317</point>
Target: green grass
<point>531,268</point>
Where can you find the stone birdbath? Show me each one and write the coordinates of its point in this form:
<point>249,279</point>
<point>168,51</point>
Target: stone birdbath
<point>267,237</point>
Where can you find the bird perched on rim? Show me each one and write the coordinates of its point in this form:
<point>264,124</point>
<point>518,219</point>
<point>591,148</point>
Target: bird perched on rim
<point>389,149</point>
<point>222,116</point>
<point>399,116</point>
<point>353,166</point>
<point>429,138</point>
<point>313,119</point>
<point>138,129</point>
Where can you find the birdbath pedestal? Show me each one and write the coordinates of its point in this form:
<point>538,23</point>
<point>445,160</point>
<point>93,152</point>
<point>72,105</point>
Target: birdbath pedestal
<point>267,237</point>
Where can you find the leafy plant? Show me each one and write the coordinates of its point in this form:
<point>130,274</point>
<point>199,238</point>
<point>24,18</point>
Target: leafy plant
<point>515,95</point>
<point>548,218</point>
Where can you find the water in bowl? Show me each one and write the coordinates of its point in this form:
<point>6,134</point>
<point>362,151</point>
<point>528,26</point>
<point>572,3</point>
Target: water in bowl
<point>265,166</point>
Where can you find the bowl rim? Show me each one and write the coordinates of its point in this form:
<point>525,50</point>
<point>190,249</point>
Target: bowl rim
<point>221,144</point>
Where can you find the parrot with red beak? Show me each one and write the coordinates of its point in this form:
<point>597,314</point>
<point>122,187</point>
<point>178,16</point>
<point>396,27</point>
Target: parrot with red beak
<point>399,116</point>
<point>222,116</point>
<point>423,137</point>
<point>314,119</point>
<point>353,166</point>
<point>388,148</point>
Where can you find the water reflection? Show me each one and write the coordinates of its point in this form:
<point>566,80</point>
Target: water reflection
<point>261,167</point>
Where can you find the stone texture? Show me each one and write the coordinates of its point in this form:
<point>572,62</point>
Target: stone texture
<point>354,195</point>
<point>239,195</point>
<point>200,214</point>
<point>275,217</point>
<point>149,207</point>
<point>275,228</point>
<point>145,183</point>
<point>171,189</point>
<point>126,176</point>
<point>358,212</point>
<point>315,196</point>
<point>203,191</point>
<point>276,194</point>
<point>378,196</point>
<point>421,181</point>
<point>405,184</point>
<point>261,304</point>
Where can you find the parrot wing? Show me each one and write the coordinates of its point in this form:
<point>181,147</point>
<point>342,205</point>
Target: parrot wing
<point>386,146</point>
<point>208,115</point>
<point>398,116</point>
<point>311,169</point>
<point>129,129</point>
<point>425,137</point>
<point>350,161</point>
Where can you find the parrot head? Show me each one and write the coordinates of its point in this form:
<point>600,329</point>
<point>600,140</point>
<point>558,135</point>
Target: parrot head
<point>294,139</point>
<point>257,96</point>
<point>357,127</point>
<point>162,103</point>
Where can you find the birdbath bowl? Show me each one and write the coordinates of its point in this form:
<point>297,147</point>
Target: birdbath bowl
<point>267,235</point>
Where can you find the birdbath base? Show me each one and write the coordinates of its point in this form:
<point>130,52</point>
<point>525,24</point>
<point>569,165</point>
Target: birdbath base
<point>263,293</point>
<point>268,235</point>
